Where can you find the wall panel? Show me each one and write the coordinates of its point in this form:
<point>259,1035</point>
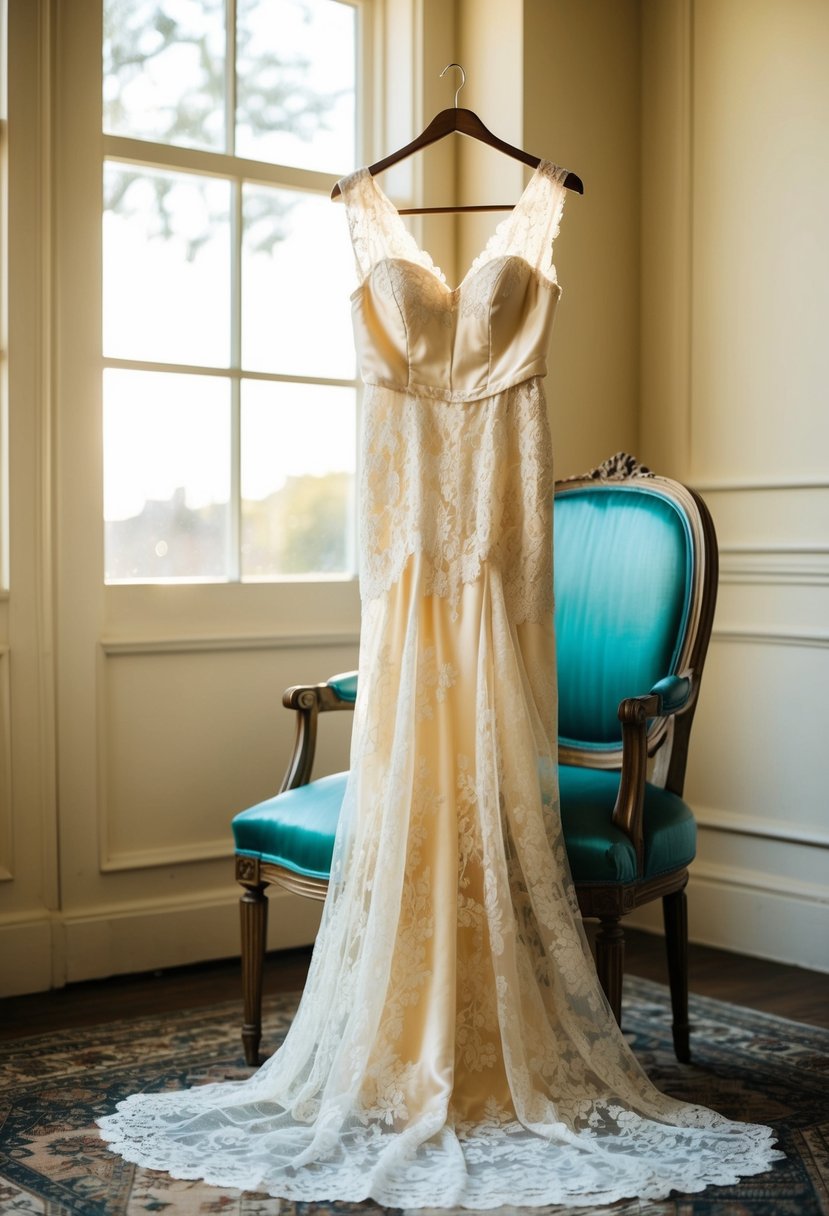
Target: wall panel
<point>192,733</point>
<point>734,401</point>
<point>28,835</point>
<point>761,253</point>
<point>6,863</point>
<point>755,752</point>
<point>189,731</point>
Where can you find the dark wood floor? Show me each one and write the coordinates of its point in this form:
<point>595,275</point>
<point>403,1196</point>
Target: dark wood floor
<point>789,992</point>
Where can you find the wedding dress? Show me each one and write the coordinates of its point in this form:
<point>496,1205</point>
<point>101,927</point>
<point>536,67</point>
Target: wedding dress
<point>453,1045</point>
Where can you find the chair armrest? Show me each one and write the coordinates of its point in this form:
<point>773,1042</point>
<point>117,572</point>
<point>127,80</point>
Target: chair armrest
<point>674,693</point>
<point>630,800</point>
<point>667,697</point>
<point>345,686</point>
<point>308,701</point>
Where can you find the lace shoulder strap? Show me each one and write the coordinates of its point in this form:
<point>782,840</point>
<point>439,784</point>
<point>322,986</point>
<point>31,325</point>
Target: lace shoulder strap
<point>532,227</point>
<point>376,229</point>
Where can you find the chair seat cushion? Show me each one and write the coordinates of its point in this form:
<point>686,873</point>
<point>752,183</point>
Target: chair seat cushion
<point>601,853</point>
<point>296,829</point>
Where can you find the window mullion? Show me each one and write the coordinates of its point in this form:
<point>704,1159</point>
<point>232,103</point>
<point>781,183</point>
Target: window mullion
<point>181,159</point>
<point>230,78</point>
<point>234,557</point>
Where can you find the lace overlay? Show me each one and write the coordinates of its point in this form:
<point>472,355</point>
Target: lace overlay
<point>528,231</point>
<point>453,1045</point>
<point>460,486</point>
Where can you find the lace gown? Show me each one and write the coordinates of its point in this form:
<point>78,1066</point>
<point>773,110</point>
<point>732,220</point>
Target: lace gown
<point>453,1045</point>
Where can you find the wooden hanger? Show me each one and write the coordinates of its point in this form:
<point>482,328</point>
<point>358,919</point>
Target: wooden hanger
<point>465,122</point>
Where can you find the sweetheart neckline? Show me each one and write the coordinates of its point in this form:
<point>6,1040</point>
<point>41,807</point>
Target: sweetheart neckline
<point>550,284</point>
<point>428,264</point>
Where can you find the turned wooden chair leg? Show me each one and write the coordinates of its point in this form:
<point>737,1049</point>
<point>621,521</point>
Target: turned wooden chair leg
<point>610,961</point>
<point>675,910</point>
<point>253,908</point>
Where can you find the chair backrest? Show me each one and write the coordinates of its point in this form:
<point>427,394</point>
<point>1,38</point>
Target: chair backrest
<point>635,587</point>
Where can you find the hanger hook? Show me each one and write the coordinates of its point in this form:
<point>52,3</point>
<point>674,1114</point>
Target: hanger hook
<point>463,78</point>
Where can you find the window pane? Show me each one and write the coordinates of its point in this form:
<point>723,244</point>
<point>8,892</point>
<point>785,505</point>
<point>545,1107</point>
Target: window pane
<point>296,82</point>
<point>297,274</point>
<point>298,454</point>
<point>164,71</point>
<point>166,475</point>
<point>166,266</point>
<point>4,261</point>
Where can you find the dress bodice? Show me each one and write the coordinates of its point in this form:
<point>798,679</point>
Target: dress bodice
<point>414,333</point>
<point>456,465</point>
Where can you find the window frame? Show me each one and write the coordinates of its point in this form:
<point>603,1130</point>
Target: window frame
<point>239,172</point>
<point>4,303</point>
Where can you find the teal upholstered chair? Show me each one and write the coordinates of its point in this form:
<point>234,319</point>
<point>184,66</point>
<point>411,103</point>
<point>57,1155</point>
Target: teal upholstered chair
<point>635,586</point>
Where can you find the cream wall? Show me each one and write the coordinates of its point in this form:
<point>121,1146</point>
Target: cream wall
<point>134,721</point>
<point>689,332</point>
<point>735,368</point>
<point>29,882</point>
<point>581,109</point>
<point>562,80</point>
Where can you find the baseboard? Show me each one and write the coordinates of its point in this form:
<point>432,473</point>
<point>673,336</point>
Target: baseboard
<point>726,909</point>
<point>146,937</point>
<point>734,912</point>
<point>25,956</point>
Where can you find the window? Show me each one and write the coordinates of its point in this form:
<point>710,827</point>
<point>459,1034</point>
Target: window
<point>230,396</point>
<point>4,261</point>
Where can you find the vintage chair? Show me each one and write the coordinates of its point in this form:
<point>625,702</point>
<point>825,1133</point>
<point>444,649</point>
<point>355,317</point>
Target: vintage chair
<point>635,587</point>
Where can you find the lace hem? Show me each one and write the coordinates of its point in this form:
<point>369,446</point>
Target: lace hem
<point>495,1166</point>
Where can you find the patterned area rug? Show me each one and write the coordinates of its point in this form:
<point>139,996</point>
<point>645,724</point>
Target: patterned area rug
<point>52,1163</point>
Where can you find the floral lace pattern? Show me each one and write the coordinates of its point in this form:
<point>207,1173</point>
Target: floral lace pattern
<point>453,1045</point>
<point>457,478</point>
<point>460,486</point>
<point>529,230</point>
